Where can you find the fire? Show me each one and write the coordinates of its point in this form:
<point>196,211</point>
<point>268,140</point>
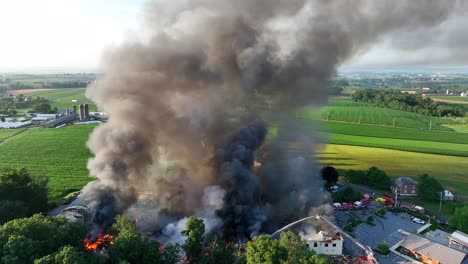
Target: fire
<point>102,240</point>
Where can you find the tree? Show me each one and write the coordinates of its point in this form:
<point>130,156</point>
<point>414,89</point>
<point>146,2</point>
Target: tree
<point>459,219</point>
<point>298,251</point>
<point>378,178</point>
<point>131,247</point>
<point>134,248</point>
<point>194,230</point>
<point>346,195</point>
<point>44,108</point>
<point>329,174</point>
<point>123,224</point>
<point>218,252</point>
<point>72,255</point>
<point>20,194</point>
<point>26,239</point>
<point>264,249</point>
<point>357,177</point>
<point>429,188</point>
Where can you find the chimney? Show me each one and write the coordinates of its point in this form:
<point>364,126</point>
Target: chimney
<point>67,112</point>
<point>82,114</point>
<point>86,112</point>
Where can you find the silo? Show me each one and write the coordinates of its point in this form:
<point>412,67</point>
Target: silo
<point>82,114</point>
<point>86,112</point>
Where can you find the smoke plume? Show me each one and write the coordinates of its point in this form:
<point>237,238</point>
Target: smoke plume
<point>186,105</point>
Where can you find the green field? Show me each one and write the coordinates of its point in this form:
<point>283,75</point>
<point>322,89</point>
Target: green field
<point>357,112</point>
<point>62,98</point>
<point>451,98</point>
<point>462,128</point>
<point>6,133</point>
<point>451,171</point>
<point>395,132</point>
<point>441,148</point>
<point>59,154</point>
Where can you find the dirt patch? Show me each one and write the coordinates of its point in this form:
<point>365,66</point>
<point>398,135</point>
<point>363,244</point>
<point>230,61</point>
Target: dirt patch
<point>449,101</point>
<point>26,91</point>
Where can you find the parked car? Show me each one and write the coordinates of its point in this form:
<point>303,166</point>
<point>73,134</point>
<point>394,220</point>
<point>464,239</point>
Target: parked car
<point>418,221</point>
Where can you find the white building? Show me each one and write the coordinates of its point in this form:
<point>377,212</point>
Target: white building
<point>448,196</point>
<point>321,243</point>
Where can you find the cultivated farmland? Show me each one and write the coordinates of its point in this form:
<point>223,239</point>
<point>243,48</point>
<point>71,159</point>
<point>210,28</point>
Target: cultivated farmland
<point>442,148</point>
<point>449,170</point>
<point>6,133</point>
<point>394,132</point>
<point>59,154</point>
<point>357,112</point>
<point>62,98</point>
<point>451,98</point>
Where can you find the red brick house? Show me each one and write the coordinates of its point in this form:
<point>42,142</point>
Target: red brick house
<point>406,186</point>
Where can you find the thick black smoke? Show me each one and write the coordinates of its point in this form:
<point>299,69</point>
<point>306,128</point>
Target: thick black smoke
<point>234,163</point>
<point>194,88</point>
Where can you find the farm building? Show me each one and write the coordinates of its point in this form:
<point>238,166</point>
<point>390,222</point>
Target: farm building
<point>61,120</point>
<point>406,186</point>
<point>448,196</point>
<point>321,243</point>
<point>14,124</point>
<point>429,251</point>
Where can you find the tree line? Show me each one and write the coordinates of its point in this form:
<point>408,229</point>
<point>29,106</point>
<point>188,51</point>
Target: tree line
<point>394,99</point>
<point>9,105</point>
<point>55,85</point>
<point>28,236</point>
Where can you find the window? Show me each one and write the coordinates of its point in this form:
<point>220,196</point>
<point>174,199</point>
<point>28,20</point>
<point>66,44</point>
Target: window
<point>334,245</point>
<point>326,244</point>
<point>315,244</point>
<point>413,191</point>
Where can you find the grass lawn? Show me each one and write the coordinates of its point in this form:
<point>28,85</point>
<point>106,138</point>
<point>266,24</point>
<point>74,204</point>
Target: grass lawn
<point>60,154</point>
<point>62,98</point>
<point>6,133</point>
<point>451,171</point>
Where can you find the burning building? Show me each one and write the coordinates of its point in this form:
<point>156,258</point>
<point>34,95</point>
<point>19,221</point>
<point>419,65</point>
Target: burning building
<point>322,243</point>
<point>210,77</point>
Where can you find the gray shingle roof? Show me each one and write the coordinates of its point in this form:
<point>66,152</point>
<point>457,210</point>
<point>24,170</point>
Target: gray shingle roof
<point>433,250</point>
<point>406,181</point>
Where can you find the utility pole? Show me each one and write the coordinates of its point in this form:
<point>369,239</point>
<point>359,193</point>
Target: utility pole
<point>396,196</point>
<point>328,116</point>
<point>430,125</point>
<point>440,205</point>
<point>394,119</point>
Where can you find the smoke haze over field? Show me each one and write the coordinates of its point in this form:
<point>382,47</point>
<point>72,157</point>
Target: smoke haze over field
<point>186,106</point>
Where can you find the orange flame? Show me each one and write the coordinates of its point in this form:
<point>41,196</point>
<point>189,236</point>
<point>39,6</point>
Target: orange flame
<point>102,240</point>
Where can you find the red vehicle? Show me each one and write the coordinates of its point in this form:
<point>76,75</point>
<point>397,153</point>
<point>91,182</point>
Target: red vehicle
<point>347,206</point>
<point>365,202</point>
<point>388,199</point>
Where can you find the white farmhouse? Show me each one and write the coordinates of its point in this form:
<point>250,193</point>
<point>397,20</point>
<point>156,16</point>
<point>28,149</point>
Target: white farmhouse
<point>321,243</point>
